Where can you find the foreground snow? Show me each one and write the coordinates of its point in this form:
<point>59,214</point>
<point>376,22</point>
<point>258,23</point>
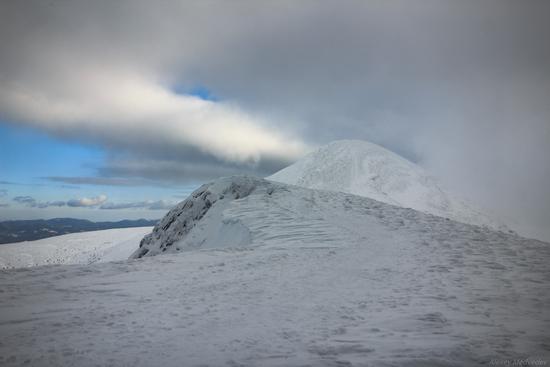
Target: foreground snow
<point>74,248</point>
<point>301,277</point>
<point>366,169</point>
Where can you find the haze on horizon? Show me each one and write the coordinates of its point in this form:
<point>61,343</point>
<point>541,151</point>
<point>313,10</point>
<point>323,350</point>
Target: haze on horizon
<point>112,110</point>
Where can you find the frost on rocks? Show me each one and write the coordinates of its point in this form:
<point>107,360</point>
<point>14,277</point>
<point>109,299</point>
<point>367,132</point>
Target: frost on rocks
<point>169,235</point>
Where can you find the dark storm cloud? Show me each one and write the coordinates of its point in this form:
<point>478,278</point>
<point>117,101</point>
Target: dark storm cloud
<point>141,171</point>
<point>174,171</point>
<point>462,87</point>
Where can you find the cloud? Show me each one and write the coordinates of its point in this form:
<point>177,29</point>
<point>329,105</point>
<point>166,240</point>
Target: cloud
<point>94,202</point>
<point>140,112</point>
<point>70,187</point>
<point>121,101</point>
<point>173,171</point>
<point>50,203</point>
<point>27,200</point>
<point>3,193</point>
<point>19,183</point>
<point>31,202</point>
<point>151,205</point>
<point>87,202</point>
<point>102,181</point>
<point>169,171</point>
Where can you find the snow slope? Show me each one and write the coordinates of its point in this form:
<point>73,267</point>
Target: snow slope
<point>366,169</point>
<point>270,274</point>
<point>74,248</point>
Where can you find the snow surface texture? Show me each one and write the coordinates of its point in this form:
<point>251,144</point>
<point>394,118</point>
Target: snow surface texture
<point>74,248</point>
<point>366,169</point>
<point>318,278</point>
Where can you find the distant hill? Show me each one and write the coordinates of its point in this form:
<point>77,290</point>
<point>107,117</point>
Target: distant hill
<point>28,230</point>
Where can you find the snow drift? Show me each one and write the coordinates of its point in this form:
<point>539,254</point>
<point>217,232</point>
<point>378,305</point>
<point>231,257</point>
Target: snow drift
<point>366,169</point>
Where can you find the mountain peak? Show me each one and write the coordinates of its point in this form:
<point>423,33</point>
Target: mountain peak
<point>366,169</point>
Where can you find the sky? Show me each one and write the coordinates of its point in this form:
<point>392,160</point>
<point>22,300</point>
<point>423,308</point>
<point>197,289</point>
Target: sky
<point>112,110</point>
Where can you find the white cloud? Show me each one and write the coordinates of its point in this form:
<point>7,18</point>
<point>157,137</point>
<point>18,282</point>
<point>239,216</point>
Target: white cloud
<point>87,202</point>
<point>129,110</point>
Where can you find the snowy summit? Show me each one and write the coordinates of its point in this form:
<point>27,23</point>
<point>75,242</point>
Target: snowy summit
<point>366,169</point>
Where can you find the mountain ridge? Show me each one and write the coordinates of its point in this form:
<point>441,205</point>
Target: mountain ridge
<point>280,274</point>
<point>244,211</point>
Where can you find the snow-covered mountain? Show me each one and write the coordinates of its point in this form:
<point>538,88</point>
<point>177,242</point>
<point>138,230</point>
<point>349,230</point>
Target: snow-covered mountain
<point>271,274</point>
<point>75,248</point>
<point>366,169</point>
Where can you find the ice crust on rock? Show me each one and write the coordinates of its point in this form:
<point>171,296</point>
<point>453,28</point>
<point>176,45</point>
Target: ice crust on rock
<point>208,200</point>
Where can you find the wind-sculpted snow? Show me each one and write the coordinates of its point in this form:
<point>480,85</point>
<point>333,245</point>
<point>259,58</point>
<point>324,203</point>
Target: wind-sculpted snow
<point>278,275</point>
<point>366,169</point>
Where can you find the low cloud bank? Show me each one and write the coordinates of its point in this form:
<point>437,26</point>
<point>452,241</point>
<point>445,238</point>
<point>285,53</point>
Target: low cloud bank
<point>99,202</point>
